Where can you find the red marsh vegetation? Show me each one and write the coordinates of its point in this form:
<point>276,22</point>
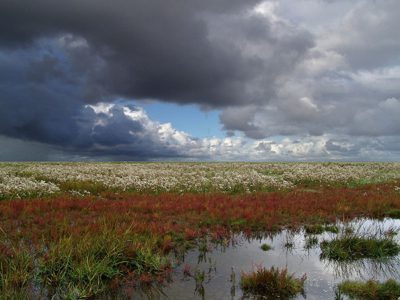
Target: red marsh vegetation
<point>78,246</point>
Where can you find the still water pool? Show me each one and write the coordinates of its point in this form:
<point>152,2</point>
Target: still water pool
<point>215,273</point>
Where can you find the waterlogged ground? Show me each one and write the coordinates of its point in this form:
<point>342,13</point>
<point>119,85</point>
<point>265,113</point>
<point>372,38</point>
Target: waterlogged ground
<point>222,266</point>
<point>76,230</point>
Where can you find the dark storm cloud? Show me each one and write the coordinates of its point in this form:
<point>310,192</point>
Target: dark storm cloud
<point>241,119</point>
<point>55,57</point>
<point>16,149</point>
<point>283,69</point>
<point>145,49</point>
<point>34,112</point>
<point>40,97</point>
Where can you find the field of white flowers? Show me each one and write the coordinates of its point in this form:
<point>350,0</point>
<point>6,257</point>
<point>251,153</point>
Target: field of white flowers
<point>36,179</point>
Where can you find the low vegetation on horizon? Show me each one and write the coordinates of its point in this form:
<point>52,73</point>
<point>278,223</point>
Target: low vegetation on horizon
<point>22,180</point>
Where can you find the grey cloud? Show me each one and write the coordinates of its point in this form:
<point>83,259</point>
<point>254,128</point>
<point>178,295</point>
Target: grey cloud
<point>347,84</point>
<point>45,68</point>
<point>382,119</point>
<point>271,74</point>
<point>41,105</point>
<point>241,119</point>
<point>144,49</point>
<point>84,52</point>
<point>116,128</point>
<point>56,57</point>
<point>187,53</point>
<point>16,149</point>
<point>364,149</point>
<point>264,146</point>
<point>342,147</point>
<point>369,36</point>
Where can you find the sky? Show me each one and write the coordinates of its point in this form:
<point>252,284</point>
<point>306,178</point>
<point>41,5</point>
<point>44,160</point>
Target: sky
<point>210,80</point>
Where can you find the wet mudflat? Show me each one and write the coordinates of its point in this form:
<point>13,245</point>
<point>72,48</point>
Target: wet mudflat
<point>214,271</point>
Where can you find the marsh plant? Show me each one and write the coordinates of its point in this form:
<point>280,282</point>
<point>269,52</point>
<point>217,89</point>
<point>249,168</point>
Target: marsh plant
<point>365,268</point>
<point>16,267</point>
<point>266,247</point>
<point>314,229</point>
<point>272,283</point>
<point>393,213</point>
<point>20,180</point>
<point>310,242</point>
<point>370,290</point>
<point>319,229</point>
<point>289,240</point>
<point>360,242</point>
<point>93,224</point>
<point>82,268</point>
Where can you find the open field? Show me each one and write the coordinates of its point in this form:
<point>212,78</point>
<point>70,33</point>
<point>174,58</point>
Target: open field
<point>21,180</point>
<point>86,229</point>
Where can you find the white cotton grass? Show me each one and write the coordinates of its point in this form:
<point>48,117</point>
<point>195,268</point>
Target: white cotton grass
<point>20,179</point>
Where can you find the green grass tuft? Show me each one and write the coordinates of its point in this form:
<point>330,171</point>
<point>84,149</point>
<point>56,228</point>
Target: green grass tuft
<point>311,242</point>
<point>319,229</point>
<point>393,213</point>
<point>314,229</point>
<point>350,247</point>
<point>371,290</point>
<point>332,228</point>
<point>16,268</point>
<point>272,283</point>
<point>266,247</point>
<point>83,268</point>
<point>84,186</point>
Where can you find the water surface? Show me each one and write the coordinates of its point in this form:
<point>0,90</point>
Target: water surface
<point>222,265</point>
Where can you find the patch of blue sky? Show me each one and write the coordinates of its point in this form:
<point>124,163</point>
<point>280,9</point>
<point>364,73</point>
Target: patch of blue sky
<point>188,118</point>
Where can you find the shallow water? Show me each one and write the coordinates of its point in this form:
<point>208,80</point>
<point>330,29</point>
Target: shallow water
<point>222,266</point>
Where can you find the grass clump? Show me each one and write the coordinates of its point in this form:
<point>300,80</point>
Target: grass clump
<point>319,229</point>
<point>272,283</point>
<point>332,228</point>
<point>371,290</point>
<point>353,245</point>
<point>83,268</point>
<point>82,186</point>
<point>393,213</point>
<point>311,242</point>
<point>266,247</point>
<point>314,229</point>
<point>16,267</point>
<point>289,245</point>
